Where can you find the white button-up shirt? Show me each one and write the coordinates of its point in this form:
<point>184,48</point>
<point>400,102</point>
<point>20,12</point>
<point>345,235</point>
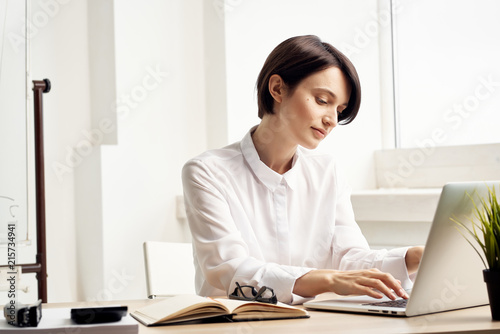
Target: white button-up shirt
<point>254,226</point>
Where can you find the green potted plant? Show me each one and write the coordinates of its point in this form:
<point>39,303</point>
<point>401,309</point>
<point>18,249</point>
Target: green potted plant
<point>485,232</point>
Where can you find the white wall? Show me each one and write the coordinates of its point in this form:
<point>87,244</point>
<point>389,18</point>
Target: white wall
<point>13,199</point>
<point>14,203</point>
<point>159,65</point>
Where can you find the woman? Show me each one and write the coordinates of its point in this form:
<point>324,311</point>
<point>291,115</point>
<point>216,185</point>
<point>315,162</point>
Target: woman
<point>266,212</point>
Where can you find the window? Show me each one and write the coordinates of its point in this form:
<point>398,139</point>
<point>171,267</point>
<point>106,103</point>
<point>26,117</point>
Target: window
<point>446,58</point>
<point>13,122</point>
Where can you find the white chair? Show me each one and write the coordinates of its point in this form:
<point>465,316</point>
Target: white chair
<point>169,268</point>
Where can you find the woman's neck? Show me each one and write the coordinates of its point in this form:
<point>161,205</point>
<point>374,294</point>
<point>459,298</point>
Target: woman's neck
<point>273,146</point>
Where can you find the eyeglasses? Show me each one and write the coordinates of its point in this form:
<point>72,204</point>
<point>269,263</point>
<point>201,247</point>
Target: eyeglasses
<point>249,293</point>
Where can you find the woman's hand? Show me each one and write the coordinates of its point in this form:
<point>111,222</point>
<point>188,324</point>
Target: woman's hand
<point>371,282</point>
<point>413,257</point>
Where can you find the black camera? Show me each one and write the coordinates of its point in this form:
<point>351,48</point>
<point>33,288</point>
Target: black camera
<point>23,315</point>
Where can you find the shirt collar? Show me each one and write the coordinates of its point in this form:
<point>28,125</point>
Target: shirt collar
<point>266,175</point>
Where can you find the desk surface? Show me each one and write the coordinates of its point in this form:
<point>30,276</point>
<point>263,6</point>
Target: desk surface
<point>472,320</point>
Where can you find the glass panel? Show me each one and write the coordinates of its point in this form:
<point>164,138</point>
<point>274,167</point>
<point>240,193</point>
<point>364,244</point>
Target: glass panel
<point>447,72</point>
<point>13,187</point>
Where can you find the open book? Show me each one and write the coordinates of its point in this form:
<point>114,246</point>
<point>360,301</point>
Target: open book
<point>185,308</point>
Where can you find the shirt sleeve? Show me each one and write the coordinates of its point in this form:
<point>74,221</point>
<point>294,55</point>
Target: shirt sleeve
<point>221,252</point>
<point>350,248</point>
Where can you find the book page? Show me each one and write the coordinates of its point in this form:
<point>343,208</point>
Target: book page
<point>239,306</point>
<point>180,306</point>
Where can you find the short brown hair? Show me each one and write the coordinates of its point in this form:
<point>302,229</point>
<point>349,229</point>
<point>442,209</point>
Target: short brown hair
<point>299,57</point>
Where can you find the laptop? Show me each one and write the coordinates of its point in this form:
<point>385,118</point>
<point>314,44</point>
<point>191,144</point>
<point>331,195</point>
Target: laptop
<point>450,274</point>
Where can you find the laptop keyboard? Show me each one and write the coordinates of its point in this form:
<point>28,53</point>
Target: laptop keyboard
<point>391,303</point>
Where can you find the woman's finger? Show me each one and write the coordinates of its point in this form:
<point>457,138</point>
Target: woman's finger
<point>375,283</point>
<point>389,281</point>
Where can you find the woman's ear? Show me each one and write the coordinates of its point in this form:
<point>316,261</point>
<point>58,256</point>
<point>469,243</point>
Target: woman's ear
<point>276,88</point>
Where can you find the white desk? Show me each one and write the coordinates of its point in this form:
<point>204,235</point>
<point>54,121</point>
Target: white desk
<point>472,320</point>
